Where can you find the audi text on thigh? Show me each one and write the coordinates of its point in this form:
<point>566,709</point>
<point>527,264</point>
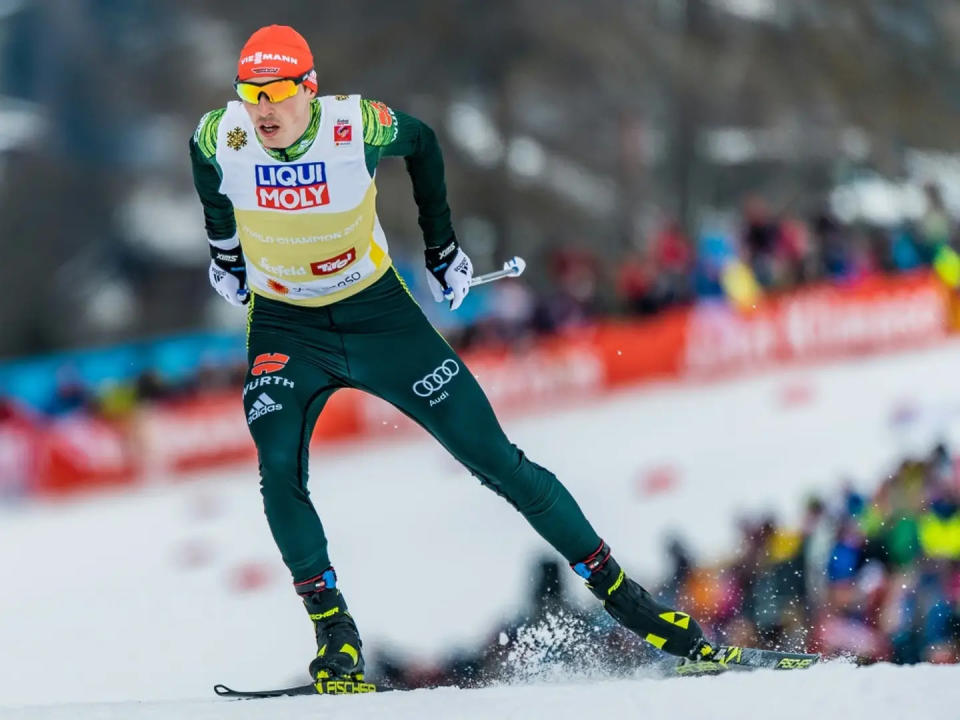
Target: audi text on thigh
<point>433,381</point>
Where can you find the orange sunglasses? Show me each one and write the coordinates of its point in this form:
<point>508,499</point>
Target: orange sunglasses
<point>275,90</point>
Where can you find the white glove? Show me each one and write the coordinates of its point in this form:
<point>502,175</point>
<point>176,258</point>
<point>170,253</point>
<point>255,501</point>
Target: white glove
<point>449,272</point>
<point>227,284</point>
<point>228,273</point>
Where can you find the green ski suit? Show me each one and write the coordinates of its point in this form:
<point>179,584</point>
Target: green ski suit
<point>379,341</point>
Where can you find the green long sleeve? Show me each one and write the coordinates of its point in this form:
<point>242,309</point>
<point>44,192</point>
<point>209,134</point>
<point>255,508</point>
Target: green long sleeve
<point>416,142</point>
<point>218,216</point>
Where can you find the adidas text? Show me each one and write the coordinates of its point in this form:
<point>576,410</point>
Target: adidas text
<point>261,406</point>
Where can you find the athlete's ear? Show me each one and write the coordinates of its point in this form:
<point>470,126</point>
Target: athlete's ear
<point>310,91</point>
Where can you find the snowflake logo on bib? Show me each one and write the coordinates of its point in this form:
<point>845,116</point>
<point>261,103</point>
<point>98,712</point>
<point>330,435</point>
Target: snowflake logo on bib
<point>236,138</point>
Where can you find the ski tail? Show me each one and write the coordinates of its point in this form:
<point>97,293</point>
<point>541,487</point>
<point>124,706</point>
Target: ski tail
<point>743,658</point>
<point>224,691</point>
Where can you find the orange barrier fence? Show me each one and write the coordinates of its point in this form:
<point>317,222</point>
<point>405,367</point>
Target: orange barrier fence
<point>875,315</point>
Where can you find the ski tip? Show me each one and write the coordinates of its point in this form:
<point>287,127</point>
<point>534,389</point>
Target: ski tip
<point>747,659</point>
<point>222,690</point>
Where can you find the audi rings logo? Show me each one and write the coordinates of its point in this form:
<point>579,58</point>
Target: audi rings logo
<point>428,385</point>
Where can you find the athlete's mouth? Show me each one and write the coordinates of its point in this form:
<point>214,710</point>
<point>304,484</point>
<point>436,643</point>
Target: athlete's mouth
<point>268,129</point>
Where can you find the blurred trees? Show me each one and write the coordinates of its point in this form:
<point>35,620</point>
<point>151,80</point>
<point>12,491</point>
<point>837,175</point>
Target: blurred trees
<point>563,122</point>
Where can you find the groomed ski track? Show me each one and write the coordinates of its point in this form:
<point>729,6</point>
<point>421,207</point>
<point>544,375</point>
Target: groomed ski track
<point>147,598</point>
<point>832,691</point>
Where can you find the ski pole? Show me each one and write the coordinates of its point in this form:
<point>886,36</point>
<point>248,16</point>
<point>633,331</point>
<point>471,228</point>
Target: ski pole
<point>513,267</point>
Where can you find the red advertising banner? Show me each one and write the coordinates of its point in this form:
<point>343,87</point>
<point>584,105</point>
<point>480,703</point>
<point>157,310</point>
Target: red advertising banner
<point>205,431</point>
<point>79,451</point>
<point>164,440</point>
<point>876,314</point>
<point>19,452</point>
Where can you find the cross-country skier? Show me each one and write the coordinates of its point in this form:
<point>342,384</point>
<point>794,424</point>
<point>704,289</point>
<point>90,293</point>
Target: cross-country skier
<point>287,182</point>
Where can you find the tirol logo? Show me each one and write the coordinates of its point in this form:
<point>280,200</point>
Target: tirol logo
<point>433,381</point>
<point>292,187</point>
<point>334,264</point>
<point>266,363</point>
<point>342,132</point>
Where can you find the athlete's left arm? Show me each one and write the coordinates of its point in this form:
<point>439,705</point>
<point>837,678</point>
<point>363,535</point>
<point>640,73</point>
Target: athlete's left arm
<point>391,133</point>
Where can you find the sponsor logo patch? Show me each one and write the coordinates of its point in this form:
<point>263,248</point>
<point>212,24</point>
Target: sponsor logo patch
<point>260,57</point>
<point>261,406</point>
<point>294,186</point>
<point>236,138</point>
<point>267,380</point>
<point>433,381</point>
<point>267,363</point>
<point>278,288</point>
<point>283,271</point>
<point>342,133</point>
<point>384,113</point>
<point>334,264</point>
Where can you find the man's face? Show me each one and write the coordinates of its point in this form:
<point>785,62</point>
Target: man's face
<point>279,124</point>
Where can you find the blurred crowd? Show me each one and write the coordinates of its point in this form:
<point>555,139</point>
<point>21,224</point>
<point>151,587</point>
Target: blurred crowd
<point>579,194</point>
<point>774,252</point>
<point>116,399</point>
<point>871,577</point>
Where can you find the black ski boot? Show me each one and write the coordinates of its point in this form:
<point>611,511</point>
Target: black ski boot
<point>338,666</point>
<point>630,605</point>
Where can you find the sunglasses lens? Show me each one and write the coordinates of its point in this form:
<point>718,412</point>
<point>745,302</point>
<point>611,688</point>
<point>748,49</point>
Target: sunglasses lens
<point>275,91</point>
<point>248,93</point>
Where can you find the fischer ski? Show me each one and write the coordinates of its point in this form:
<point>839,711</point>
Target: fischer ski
<point>324,687</point>
<point>732,658</point>
<point>745,659</point>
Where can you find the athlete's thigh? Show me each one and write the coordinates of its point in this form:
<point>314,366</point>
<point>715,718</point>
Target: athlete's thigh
<point>282,390</point>
<point>416,370</point>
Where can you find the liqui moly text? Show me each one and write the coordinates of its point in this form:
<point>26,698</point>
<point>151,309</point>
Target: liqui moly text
<point>296,186</point>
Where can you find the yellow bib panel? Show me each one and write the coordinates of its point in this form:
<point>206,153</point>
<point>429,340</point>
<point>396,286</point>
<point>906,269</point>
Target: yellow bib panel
<point>308,228</point>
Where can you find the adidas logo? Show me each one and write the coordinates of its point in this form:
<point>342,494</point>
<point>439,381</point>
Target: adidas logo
<point>261,406</point>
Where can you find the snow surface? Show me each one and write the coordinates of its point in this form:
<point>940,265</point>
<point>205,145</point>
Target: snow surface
<point>159,593</point>
<point>821,693</point>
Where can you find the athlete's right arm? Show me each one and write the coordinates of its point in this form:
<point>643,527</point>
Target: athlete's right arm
<point>227,271</point>
<point>217,208</point>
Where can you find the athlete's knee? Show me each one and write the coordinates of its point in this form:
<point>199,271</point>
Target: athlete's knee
<point>538,488</point>
<point>280,471</point>
<point>529,487</point>
<point>495,458</point>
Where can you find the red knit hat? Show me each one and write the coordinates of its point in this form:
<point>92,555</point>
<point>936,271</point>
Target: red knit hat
<point>277,50</point>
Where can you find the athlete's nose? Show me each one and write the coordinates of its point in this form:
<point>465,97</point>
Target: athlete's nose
<point>263,104</point>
